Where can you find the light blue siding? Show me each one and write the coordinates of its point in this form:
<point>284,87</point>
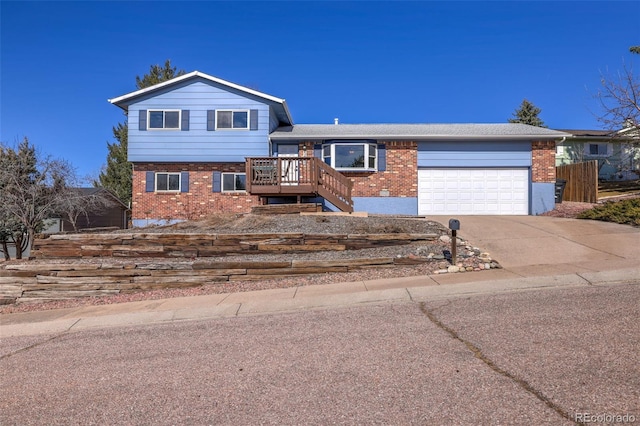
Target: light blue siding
<point>543,197</point>
<point>386,205</point>
<point>274,123</point>
<point>474,154</point>
<point>198,144</point>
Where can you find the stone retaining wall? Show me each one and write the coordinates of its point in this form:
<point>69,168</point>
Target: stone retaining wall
<point>23,283</point>
<point>198,260</point>
<point>129,245</point>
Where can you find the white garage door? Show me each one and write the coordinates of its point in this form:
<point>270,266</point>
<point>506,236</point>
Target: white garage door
<point>473,191</point>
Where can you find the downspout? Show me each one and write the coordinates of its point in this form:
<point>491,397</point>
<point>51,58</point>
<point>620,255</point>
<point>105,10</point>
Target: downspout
<point>564,138</point>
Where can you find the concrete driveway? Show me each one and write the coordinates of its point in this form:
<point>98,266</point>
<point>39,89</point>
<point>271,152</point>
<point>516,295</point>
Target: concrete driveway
<point>540,245</point>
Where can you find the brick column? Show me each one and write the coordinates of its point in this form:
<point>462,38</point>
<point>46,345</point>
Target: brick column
<point>543,161</point>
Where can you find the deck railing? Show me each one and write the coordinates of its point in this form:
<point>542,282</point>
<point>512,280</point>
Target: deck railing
<point>298,176</point>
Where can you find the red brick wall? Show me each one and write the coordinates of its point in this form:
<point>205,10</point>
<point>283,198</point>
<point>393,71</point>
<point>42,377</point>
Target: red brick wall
<point>199,202</point>
<point>400,177</point>
<point>543,161</point>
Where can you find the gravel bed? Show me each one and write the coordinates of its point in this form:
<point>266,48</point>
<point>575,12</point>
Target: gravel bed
<point>571,209</point>
<point>305,223</point>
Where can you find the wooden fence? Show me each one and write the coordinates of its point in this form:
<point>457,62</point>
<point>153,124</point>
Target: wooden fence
<point>582,181</point>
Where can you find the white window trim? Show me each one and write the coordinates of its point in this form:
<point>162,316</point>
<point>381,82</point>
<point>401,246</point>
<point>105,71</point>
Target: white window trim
<point>164,129</point>
<point>332,146</point>
<point>608,153</point>
<point>232,111</point>
<point>234,180</point>
<point>155,184</point>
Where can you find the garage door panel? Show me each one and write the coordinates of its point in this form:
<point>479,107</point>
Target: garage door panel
<point>473,191</point>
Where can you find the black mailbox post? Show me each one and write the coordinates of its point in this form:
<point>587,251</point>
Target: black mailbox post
<point>454,225</point>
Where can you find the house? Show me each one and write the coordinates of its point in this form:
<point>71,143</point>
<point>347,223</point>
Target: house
<point>101,209</point>
<point>200,144</point>
<point>617,155</point>
<point>109,212</point>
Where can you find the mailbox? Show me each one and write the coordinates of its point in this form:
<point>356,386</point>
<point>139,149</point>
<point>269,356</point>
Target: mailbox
<point>454,224</point>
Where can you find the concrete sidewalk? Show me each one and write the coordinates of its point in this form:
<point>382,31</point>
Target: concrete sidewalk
<point>535,252</point>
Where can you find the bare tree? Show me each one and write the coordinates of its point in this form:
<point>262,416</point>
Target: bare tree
<point>32,190</point>
<point>619,98</point>
<point>12,233</point>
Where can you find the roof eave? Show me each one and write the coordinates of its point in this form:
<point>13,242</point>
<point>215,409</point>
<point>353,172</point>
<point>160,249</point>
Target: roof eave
<point>422,137</point>
<point>137,93</point>
<point>287,112</point>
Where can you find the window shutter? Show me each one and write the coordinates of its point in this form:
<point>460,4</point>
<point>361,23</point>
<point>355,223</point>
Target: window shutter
<point>253,119</point>
<point>185,119</point>
<point>317,150</point>
<point>217,182</point>
<point>184,181</point>
<point>150,186</point>
<point>382,157</point>
<point>142,119</point>
<point>211,120</point>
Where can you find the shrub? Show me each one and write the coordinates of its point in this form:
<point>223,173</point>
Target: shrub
<point>625,212</point>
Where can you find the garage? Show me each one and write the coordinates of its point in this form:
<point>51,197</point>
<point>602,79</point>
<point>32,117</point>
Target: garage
<point>473,191</point>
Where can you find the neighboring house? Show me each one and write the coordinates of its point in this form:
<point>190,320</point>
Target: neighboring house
<point>200,145</point>
<point>617,153</point>
<point>112,212</point>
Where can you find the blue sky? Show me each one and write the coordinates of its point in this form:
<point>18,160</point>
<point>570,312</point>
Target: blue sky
<point>364,62</point>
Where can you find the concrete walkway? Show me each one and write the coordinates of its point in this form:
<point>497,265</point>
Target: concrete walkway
<point>535,252</point>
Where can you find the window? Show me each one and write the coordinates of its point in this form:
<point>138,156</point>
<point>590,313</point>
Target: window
<point>597,149</point>
<point>165,119</point>
<point>232,119</point>
<point>560,150</point>
<point>351,156</point>
<point>233,182</point>
<point>167,182</point>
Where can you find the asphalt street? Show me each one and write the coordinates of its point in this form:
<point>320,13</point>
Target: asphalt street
<point>545,355</point>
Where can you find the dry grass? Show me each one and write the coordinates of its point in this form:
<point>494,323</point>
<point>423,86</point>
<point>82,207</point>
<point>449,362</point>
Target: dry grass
<point>609,189</point>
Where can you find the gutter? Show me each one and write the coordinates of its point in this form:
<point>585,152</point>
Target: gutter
<point>417,137</point>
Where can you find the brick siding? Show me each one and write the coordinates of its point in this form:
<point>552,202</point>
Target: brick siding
<point>400,179</point>
<point>199,202</point>
<point>543,161</point>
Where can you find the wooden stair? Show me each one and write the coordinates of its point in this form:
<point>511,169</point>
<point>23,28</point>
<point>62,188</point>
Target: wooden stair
<point>298,177</point>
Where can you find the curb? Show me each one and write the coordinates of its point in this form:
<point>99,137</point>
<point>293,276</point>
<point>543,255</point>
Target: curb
<point>276,301</point>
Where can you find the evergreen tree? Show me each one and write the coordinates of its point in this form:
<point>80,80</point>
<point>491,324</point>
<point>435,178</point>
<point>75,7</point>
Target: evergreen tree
<point>158,74</point>
<point>117,174</point>
<point>527,114</point>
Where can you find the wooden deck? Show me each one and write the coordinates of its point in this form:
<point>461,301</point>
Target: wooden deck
<point>299,177</point>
